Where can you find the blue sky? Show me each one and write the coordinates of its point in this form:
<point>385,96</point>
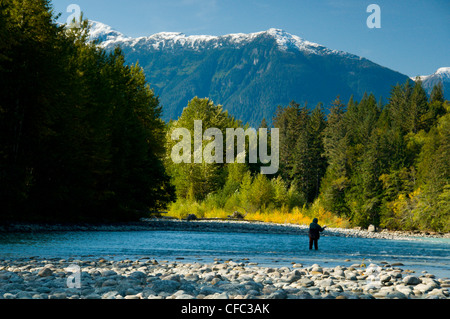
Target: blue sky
<point>413,38</point>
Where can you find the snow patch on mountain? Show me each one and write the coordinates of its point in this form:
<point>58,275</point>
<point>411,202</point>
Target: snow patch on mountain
<point>445,71</point>
<point>288,41</point>
<point>441,73</point>
<point>105,34</point>
<point>109,37</point>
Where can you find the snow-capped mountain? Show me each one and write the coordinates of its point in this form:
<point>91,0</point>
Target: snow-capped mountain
<point>249,74</point>
<point>176,40</point>
<point>105,34</point>
<point>441,75</point>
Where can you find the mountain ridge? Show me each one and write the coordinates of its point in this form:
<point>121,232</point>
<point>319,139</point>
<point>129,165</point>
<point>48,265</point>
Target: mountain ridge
<point>249,74</point>
<point>285,40</point>
<point>441,75</point>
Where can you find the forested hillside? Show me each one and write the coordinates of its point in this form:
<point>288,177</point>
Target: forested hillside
<point>249,74</point>
<point>365,163</point>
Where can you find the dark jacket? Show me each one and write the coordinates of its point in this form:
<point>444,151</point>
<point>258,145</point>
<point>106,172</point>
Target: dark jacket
<point>315,229</point>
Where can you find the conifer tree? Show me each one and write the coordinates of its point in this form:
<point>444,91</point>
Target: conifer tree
<point>81,136</point>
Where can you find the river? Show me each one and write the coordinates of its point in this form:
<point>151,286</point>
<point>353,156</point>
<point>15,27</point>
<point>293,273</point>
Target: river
<point>275,250</point>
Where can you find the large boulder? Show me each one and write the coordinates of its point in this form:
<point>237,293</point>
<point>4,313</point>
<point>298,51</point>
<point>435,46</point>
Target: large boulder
<point>236,215</point>
<point>411,280</point>
<point>191,217</point>
<point>167,286</point>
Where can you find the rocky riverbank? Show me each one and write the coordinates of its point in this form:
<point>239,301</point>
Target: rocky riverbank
<point>216,225</point>
<point>31,278</point>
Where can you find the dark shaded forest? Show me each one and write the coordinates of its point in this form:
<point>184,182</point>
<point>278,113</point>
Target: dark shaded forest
<point>81,135</point>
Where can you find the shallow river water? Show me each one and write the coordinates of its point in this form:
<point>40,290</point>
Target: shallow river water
<point>430,254</point>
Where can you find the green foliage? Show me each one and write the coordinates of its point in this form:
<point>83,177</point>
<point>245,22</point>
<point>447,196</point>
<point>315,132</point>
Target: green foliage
<point>196,180</point>
<point>81,139</point>
<point>389,165</point>
<point>370,163</point>
<point>81,132</point>
<point>302,163</point>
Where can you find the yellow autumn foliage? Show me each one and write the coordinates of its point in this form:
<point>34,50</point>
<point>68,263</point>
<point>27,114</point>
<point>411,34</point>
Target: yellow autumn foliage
<point>297,215</point>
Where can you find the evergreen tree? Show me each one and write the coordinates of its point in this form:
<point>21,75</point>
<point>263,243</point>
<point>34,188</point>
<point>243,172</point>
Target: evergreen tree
<point>287,120</point>
<point>301,148</point>
<point>336,179</point>
<point>317,159</point>
<point>30,69</point>
<point>436,107</point>
<point>81,134</point>
<point>363,160</point>
<point>399,107</point>
<point>437,93</point>
<point>419,107</point>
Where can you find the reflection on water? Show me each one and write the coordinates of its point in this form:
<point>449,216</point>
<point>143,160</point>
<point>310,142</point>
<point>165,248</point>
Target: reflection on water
<point>432,255</point>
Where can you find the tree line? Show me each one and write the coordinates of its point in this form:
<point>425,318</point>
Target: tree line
<point>388,165</point>
<point>82,140</point>
<point>369,162</point>
<point>81,135</point>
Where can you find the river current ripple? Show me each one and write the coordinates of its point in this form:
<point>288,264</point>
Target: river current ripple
<point>274,250</point>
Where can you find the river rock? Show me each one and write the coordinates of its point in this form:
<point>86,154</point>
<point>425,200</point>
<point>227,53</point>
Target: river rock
<point>279,294</point>
<point>192,277</point>
<point>316,268</point>
<point>411,280</point>
<point>235,280</point>
<point>397,264</point>
<point>138,275</point>
<point>326,283</point>
<point>293,277</point>
<point>440,292</point>
<point>384,292</point>
<point>430,281</point>
<point>43,290</point>
<point>406,290</point>
<point>133,296</point>
<point>9,295</point>
<point>423,288</point>
<point>13,287</point>
<point>208,290</point>
<point>215,281</point>
<point>58,295</point>
<point>396,295</point>
<point>303,295</point>
<point>384,279</point>
<point>173,277</point>
<point>108,272</point>
<point>24,295</point>
<point>216,296</point>
<point>350,275</point>
<point>109,283</point>
<point>184,296</point>
<point>305,282</point>
<point>110,294</point>
<point>45,272</point>
<point>338,273</point>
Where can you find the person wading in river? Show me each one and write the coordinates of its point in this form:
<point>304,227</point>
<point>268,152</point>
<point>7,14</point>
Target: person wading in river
<point>314,233</point>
